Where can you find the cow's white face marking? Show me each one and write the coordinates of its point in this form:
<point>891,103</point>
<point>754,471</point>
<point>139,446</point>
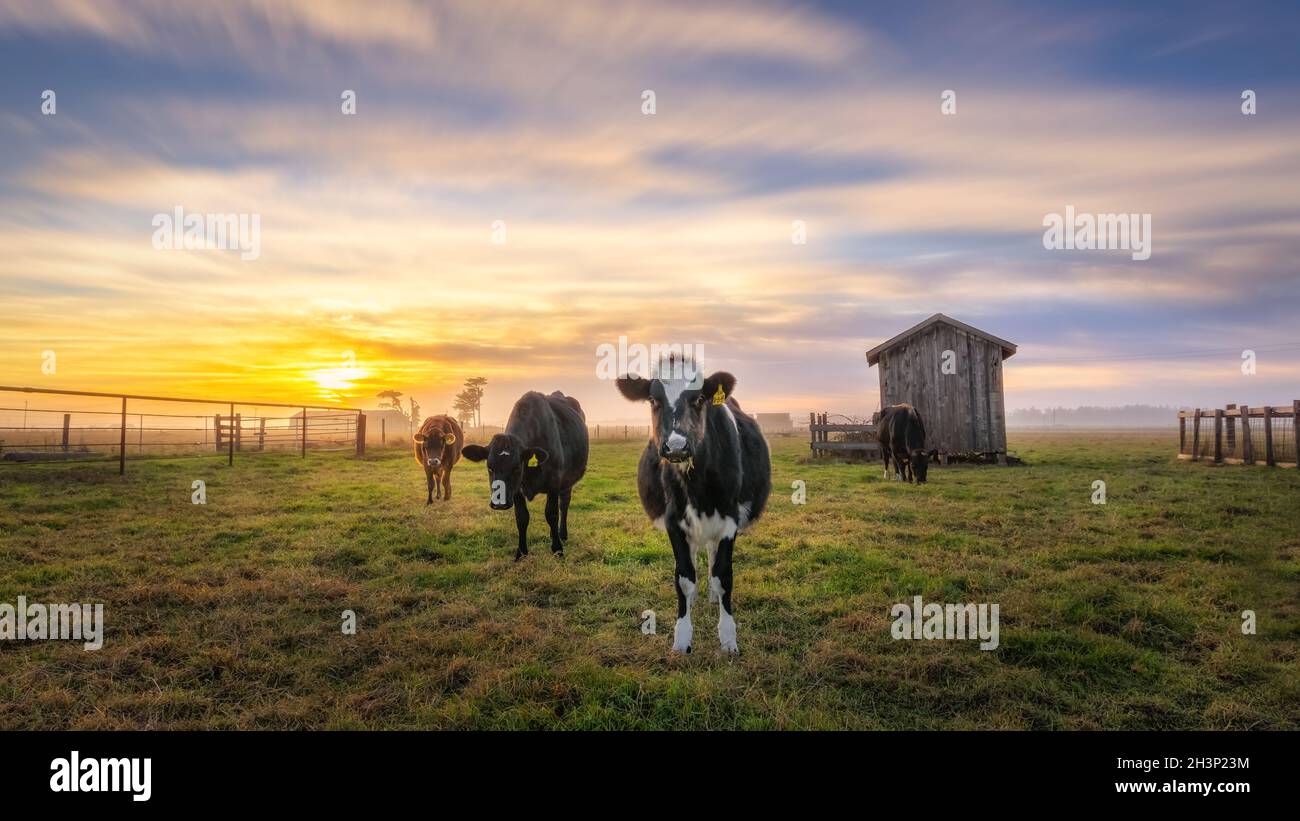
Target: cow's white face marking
<point>505,453</point>
<point>673,389</point>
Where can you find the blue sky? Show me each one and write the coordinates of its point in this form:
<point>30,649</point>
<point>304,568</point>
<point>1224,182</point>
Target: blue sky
<point>671,227</point>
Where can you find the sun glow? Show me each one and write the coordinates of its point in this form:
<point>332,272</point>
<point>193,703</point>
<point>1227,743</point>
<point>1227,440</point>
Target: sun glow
<point>337,383</point>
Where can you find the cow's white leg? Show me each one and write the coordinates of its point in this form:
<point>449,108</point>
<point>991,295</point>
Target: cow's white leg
<point>683,632</point>
<point>720,583</point>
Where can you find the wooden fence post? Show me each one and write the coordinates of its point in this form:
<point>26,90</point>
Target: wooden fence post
<point>239,431</point>
<point>67,420</point>
<point>216,430</point>
<point>1295,429</point>
<point>361,434</point>
<point>261,433</point>
<point>230,439</point>
<point>1196,435</point>
<point>1247,446</point>
<point>1218,435</point>
<point>1182,433</point>
<point>1232,429</point>
<point>121,454</point>
<point>383,432</point>
<point>1268,436</point>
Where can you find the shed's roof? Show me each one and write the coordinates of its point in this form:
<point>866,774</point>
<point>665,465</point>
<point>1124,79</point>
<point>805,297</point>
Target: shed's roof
<point>873,355</point>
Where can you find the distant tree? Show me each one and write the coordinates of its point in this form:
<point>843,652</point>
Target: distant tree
<point>394,400</point>
<point>415,411</point>
<point>469,402</point>
<point>464,410</point>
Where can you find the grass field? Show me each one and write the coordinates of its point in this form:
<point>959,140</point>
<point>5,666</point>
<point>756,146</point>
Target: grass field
<point>227,615</point>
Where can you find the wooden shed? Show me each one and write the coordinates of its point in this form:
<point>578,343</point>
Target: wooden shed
<point>952,374</point>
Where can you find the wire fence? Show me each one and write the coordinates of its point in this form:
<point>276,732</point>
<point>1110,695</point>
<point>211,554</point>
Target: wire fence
<point>46,426</point>
<point>1265,435</point>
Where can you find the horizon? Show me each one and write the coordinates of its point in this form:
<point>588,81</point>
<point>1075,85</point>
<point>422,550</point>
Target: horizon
<point>501,203</point>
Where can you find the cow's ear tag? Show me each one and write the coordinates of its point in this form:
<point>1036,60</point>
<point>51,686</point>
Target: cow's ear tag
<point>532,461</point>
<point>450,439</point>
<point>719,396</point>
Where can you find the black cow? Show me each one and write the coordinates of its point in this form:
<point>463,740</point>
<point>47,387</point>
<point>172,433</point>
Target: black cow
<point>704,476</point>
<point>543,450</point>
<point>902,436</point>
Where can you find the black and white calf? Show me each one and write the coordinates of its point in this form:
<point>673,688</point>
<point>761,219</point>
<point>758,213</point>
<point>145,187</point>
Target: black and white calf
<point>704,476</point>
<point>543,450</point>
<point>902,437</point>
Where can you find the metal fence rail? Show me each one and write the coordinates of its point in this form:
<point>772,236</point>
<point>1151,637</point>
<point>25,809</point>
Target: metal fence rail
<point>1242,434</point>
<point>135,428</point>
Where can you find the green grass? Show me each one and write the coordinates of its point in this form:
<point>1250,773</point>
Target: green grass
<point>227,615</point>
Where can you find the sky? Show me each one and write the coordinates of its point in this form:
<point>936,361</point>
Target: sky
<point>501,203</point>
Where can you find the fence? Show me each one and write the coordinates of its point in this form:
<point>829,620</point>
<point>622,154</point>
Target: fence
<point>850,437</point>
<point>618,433</point>
<point>1241,434</point>
<point>115,426</point>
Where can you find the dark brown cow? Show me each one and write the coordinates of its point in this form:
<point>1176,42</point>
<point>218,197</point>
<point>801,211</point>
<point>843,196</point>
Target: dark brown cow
<point>437,448</point>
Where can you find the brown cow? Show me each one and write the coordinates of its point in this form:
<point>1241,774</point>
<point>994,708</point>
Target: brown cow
<point>437,448</point>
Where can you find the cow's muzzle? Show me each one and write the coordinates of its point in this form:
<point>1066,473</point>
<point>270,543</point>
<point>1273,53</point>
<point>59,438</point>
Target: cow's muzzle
<point>676,455</point>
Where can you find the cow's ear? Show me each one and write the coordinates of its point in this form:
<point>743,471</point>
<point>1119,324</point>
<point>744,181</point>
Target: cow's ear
<point>419,438</point>
<point>634,387</point>
<point>535,457</point>
<point>719,380</point>
<point>474,453</point>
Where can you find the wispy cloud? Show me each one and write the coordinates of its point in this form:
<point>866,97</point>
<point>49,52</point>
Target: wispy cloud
<point>675,227</point>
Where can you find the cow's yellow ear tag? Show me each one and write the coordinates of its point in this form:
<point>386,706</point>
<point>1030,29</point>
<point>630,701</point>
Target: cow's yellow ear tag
<point>532,461</point>
<point>719,396</point>
<point>450,439</point>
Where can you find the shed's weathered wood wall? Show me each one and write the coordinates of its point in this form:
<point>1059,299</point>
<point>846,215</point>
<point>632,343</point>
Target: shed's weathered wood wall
<point>963,412</point>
